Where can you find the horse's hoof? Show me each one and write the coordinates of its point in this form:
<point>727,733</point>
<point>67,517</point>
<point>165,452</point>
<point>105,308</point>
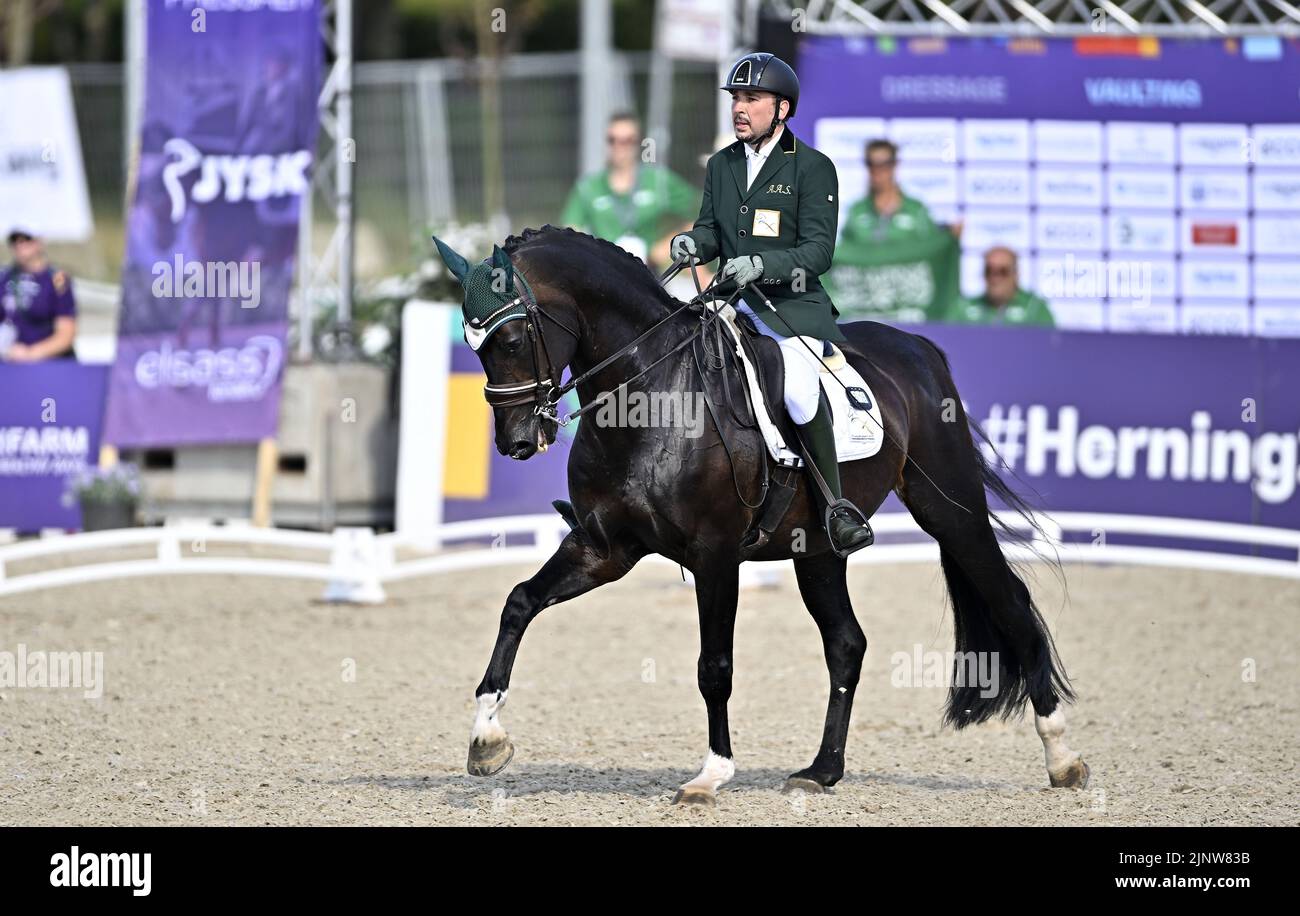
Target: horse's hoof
<point>802,784</point>
<point>1075,776</point>
<point>489,759</point>
<point>694,795</point>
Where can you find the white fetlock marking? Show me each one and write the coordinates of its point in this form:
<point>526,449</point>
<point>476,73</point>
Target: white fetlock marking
<point>1051,729</point>
<point>716,772</point>
<point>487,729</point>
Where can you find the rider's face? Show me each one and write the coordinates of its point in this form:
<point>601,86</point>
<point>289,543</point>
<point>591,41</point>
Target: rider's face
<point>752,112</point>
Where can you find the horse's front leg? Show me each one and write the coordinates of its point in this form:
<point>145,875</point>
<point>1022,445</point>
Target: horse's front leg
<point>575,567</point>
<point>716,592</point>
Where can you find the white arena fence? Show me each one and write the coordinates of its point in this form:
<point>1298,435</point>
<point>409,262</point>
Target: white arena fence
<point>356,563</point>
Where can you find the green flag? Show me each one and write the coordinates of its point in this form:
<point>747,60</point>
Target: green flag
<point>914,278</point>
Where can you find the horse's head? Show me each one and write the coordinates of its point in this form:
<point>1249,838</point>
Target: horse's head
<point>522,346</point>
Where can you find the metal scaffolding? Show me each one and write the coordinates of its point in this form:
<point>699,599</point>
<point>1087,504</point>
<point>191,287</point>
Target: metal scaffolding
<point>337,145</point>
<point>1044,18</point>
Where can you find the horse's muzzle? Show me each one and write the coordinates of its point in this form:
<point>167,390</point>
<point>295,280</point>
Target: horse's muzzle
<point>534,436</point>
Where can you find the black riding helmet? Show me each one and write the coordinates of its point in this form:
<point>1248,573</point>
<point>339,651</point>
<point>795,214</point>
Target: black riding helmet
<point>768,73</point>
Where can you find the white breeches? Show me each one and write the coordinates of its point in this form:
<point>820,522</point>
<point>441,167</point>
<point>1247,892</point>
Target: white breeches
<point>802,368</point>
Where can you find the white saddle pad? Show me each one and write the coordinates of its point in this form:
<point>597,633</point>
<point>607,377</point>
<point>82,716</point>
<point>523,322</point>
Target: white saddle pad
<point>859,433</point>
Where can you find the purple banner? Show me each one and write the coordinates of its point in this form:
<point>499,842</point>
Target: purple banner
<point>49,431</point>
<point>226,150</point>
<point>1183,427</point>
<point>1251,80</point>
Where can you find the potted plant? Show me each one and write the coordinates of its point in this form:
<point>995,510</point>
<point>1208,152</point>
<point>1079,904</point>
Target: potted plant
<point>108,496</point>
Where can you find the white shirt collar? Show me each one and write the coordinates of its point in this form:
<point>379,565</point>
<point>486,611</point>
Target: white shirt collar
<point>766,148</point>
<point>754,161</point>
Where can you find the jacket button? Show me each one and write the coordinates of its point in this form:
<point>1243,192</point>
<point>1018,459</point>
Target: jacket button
<point>742,233</point>
<point>744,209</point>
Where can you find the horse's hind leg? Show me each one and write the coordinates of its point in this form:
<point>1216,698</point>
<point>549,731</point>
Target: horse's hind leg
<point>576,567</point>
<point>997,626</point>
<point>995,616</point>
<point>825,593</point>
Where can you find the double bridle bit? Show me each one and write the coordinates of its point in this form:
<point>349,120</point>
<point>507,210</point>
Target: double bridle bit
<point>542,391</point>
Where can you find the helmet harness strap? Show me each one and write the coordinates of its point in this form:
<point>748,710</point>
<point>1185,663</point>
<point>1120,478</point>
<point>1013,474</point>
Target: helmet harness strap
<point>757,142</point>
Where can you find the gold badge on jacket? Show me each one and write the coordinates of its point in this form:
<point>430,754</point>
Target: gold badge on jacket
<point>767,223</point>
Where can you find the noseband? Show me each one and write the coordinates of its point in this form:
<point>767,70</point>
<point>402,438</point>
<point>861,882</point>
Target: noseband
<point>539,391</point>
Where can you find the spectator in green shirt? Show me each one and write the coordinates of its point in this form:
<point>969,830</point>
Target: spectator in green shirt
<point>632,203</point>
<point>1003,302</point>
<point>886,214</point>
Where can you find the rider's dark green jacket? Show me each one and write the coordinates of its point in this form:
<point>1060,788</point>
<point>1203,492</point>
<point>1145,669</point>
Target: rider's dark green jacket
<point>788,217</point>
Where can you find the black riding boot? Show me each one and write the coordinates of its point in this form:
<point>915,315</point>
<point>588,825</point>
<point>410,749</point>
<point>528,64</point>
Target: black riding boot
<point>846,532</point>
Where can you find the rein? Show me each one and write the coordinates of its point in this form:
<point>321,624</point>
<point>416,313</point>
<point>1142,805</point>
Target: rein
<point>542,390</point>
<point>545,395</point>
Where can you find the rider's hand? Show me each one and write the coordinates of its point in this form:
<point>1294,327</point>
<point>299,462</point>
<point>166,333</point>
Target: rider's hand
<point>744,270</point>
<point>682,248</point>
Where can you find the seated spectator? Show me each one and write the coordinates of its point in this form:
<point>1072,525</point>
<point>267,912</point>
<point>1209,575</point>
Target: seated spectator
<point>1003,302</point>
<point>634,204</point>
<point>37,303</point>
<point>886,213</point>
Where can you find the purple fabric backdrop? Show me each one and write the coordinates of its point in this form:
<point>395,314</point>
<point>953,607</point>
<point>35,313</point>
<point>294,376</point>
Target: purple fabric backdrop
<point>226,148</point>
<point>1223,412</point>
<point>1219,409</point>
<point>1197,80</point>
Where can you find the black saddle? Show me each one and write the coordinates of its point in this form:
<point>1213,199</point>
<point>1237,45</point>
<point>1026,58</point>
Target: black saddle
<point>769,363</point>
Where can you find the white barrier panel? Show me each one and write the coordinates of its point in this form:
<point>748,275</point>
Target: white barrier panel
<point>358,563</point>
<point>426,367</point>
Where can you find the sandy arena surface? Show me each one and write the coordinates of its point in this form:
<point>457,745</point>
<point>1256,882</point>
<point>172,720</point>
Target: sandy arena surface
<point>228,701</point>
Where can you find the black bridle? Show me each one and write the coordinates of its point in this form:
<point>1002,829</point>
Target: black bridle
<point>542,391</point>
<point>546,395</point>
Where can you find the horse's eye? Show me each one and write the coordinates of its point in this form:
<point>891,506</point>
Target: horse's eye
<point>512,346</point>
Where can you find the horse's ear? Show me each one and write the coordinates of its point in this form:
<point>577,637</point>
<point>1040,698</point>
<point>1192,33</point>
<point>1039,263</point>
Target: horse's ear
<point>501,260</point>
<point>458,266</point>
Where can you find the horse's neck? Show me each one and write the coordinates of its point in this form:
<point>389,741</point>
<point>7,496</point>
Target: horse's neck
<point>610,327</point>
<point>612,315</point>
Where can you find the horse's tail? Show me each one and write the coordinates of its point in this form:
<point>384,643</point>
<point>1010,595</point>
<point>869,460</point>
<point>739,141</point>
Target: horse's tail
<point>995,617</point>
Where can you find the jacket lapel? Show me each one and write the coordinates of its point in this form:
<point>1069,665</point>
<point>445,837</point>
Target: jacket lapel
<point>781,156</point>
<point>736,159</point>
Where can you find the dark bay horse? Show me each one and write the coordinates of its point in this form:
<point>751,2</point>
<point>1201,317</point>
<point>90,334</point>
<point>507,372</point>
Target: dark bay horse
<point>691,495</point>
